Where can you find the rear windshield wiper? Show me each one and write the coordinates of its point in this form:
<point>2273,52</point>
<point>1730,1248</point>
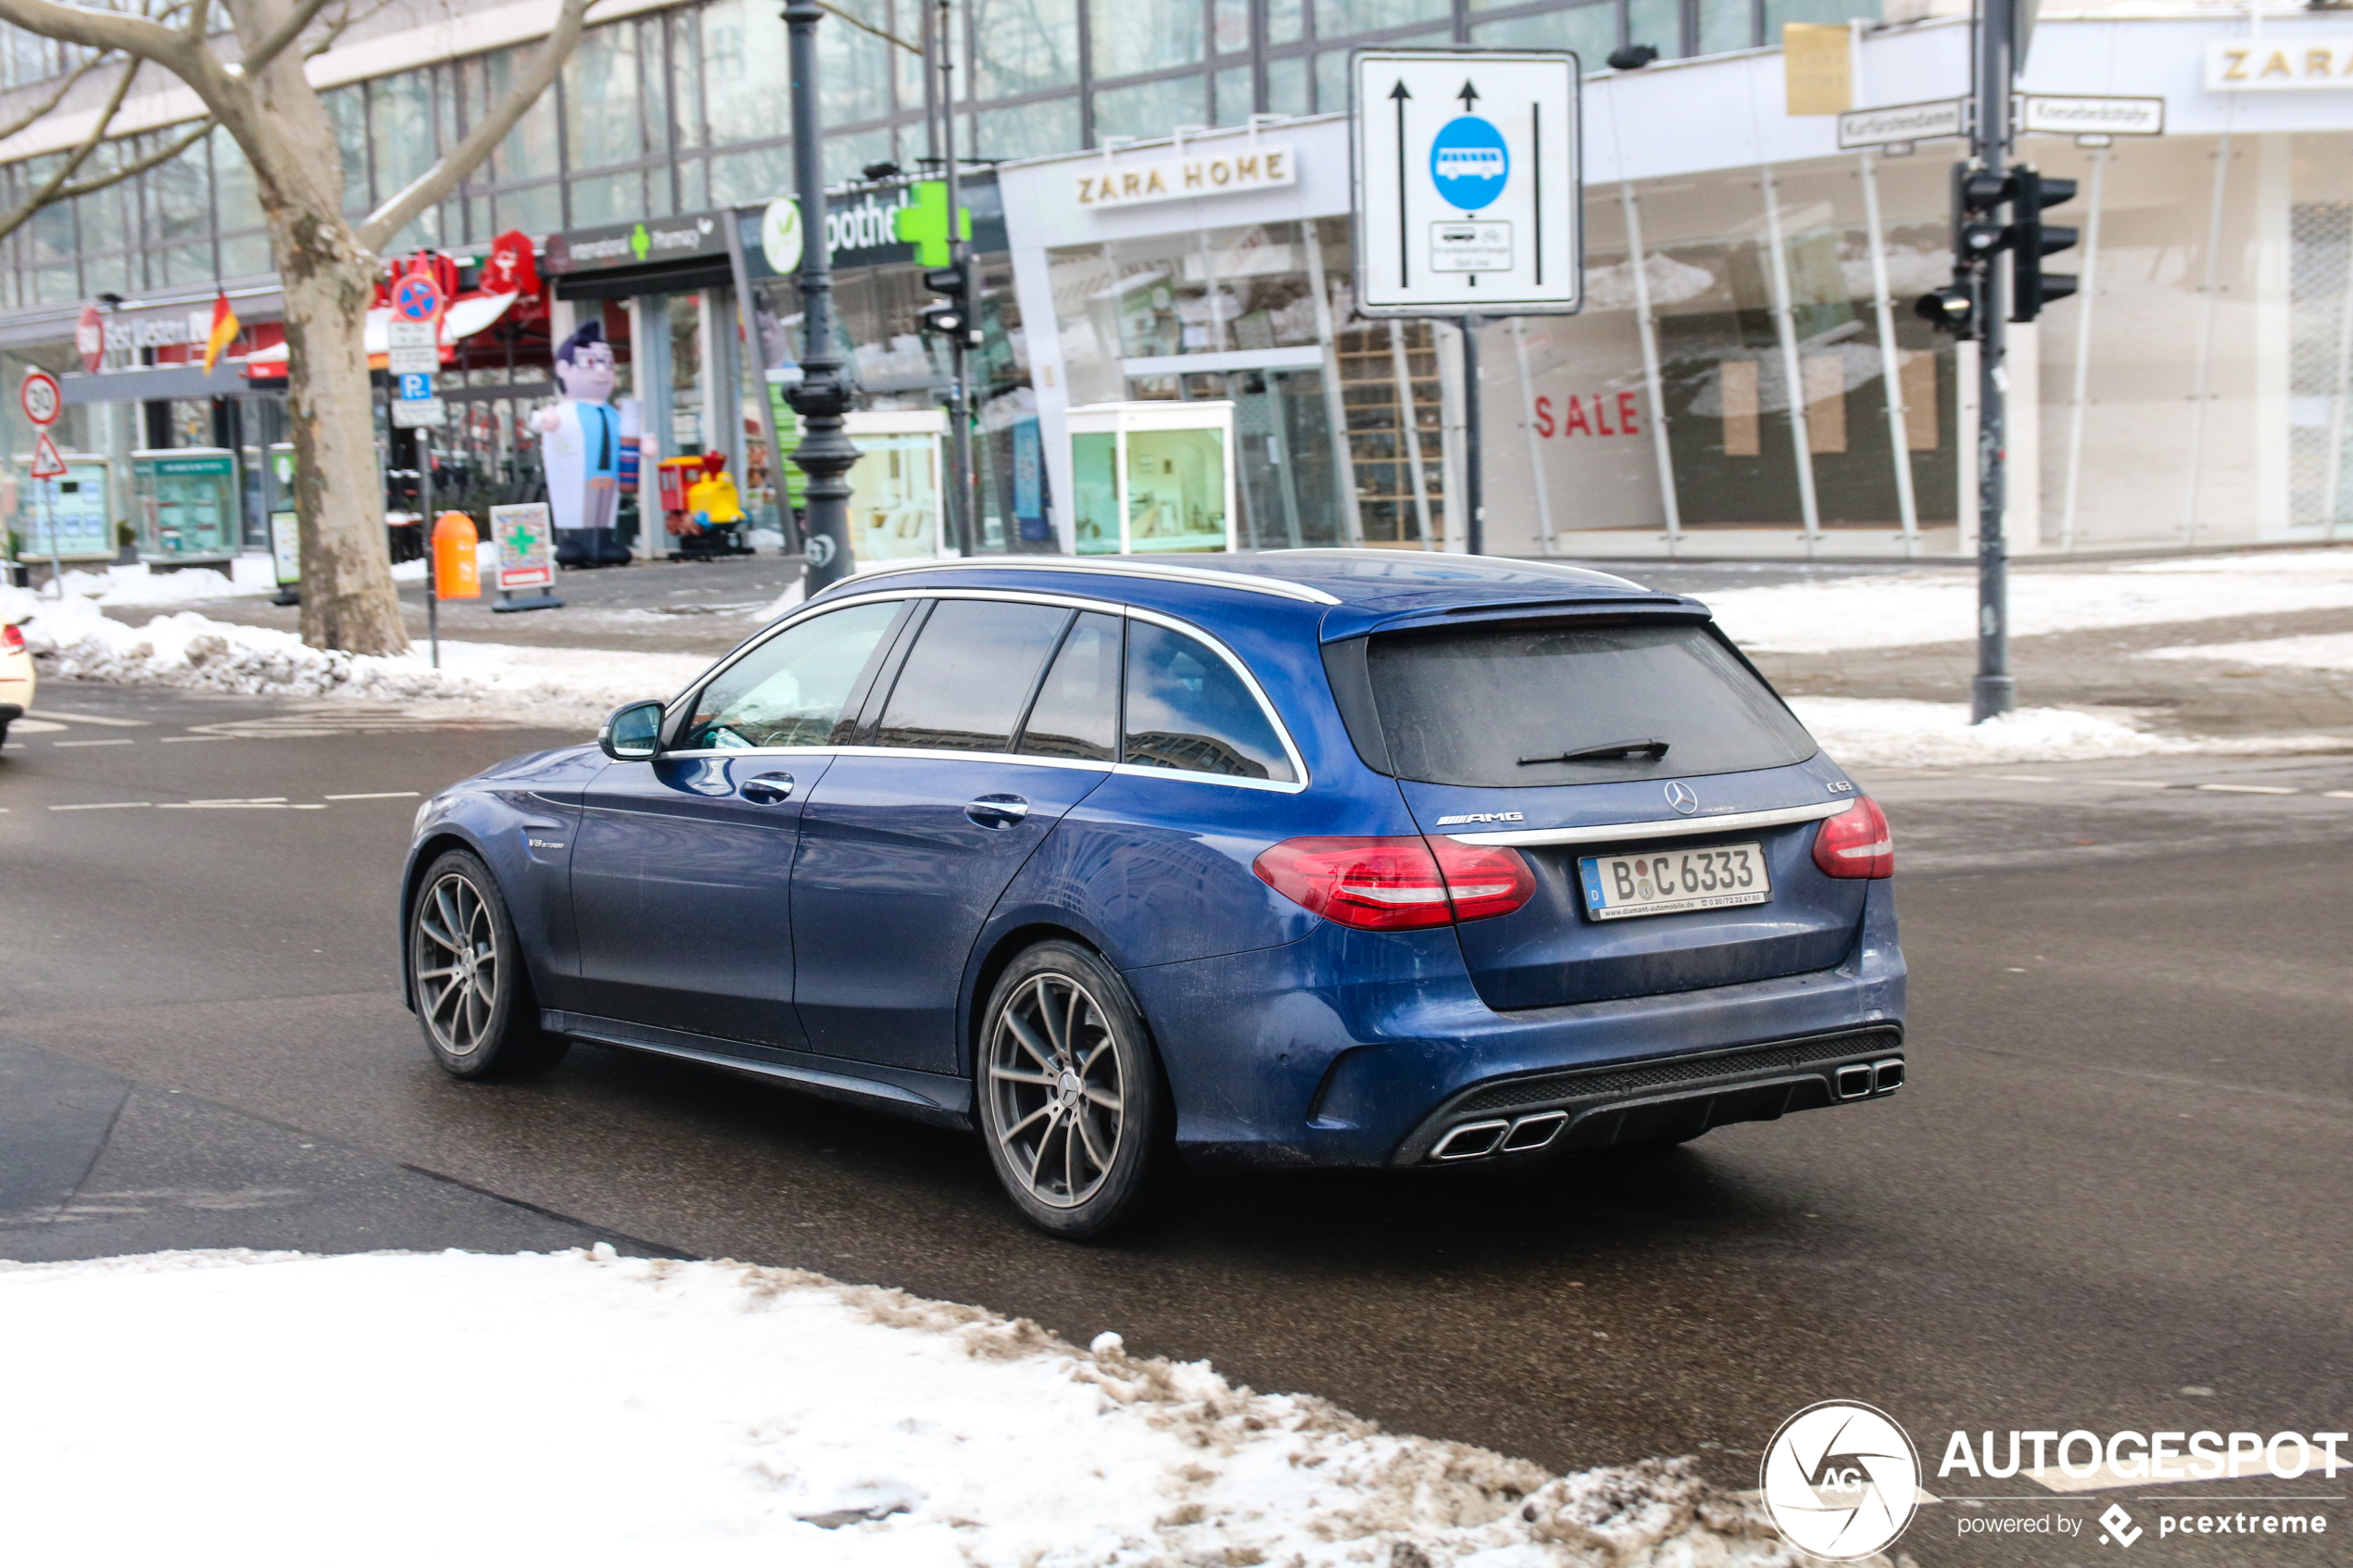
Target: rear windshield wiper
<point>1620,750</point>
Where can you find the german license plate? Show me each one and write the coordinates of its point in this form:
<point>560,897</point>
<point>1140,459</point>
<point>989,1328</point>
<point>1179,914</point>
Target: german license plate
<point>1666,881</point>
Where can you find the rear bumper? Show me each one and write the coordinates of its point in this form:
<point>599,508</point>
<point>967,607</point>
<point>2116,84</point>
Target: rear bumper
<point>1657,1098</point>
<point>1362,1049</point>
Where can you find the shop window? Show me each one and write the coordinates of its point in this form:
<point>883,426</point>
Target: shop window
<point>1737,395</point>
<point>610,198</point>
<point>1176,490</point>
<point>401,128</point>
<point>1188,711</point>
<point>1234,97</point>
<point>1076,713</point>
<point>536,209</point>
<point>1338,18</point>
<point>1094,470</point>
<point>744,65</point>
<point>1287,85</point>
<point>847,155</point>
<point>1778,13</point>
<point>232,192</point>
<point>1726,25</point>
<point>1590,30</point>
<point>756,174</point>
<point>685,79</point>
<point>529,151</point>
<point>601,111</point>
<point>1149,109</point>
<point>1129,38</point>
<point>1027,129</point>
<point>1658,23</point>
<point>969,675</point>
<point>1825,402</point>
<point>1032,45</point>
<point>853,67</point>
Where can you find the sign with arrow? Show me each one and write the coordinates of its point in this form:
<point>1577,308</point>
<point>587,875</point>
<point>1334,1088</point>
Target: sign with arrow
<point>1468,182</point>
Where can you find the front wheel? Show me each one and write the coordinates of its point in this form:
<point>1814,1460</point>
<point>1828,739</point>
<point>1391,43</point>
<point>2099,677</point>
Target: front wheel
<point>473,991</point>
<point>1069,1095</point>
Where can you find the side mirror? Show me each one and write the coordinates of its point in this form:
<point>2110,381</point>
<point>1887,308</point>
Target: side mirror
<point>633,734</point>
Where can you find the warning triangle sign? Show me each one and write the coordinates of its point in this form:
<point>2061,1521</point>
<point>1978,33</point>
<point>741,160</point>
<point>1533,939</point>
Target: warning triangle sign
<point>47,462</point>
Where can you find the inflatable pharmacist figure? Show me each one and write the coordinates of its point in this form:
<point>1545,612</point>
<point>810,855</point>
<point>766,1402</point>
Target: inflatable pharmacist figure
<point>580,446</point>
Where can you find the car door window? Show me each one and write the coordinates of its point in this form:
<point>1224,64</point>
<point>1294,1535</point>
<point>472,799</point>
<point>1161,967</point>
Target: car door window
<point>791,689</point>
<point>969,675</point>
<point>1188,710</point>
<point>1076,713</point>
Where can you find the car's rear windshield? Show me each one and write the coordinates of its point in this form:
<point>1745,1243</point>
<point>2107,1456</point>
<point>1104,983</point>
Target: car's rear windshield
<point>1569,704</point>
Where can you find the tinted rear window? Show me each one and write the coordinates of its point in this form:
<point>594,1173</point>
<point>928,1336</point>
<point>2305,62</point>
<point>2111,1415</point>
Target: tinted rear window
<point>1501,707</point>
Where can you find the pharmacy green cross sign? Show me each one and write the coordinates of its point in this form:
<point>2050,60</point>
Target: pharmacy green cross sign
<point>924,223</point>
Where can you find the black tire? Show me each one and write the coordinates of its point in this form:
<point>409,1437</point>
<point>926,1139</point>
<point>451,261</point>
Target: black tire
<point>468,980</point>
<point>1064,1068</point>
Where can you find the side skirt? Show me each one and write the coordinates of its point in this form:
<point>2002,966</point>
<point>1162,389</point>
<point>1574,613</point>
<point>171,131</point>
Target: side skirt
<point>935,1097</point>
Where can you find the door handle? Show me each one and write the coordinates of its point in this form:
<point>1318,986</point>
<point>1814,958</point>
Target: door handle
<point>767,789</point>
<point>998,810</point>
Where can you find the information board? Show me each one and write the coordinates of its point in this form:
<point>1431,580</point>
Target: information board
<point>82,505</point>
<point>525,535</point>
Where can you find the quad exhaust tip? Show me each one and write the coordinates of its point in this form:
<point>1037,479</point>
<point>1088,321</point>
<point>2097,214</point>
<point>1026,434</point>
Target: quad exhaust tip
<point>1474,1140</point>
<point>1854,1082</point>
<point>1886,1076</point>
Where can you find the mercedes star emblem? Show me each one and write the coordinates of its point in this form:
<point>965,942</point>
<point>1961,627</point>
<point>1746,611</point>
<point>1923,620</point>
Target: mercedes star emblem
<point>1680,796</point>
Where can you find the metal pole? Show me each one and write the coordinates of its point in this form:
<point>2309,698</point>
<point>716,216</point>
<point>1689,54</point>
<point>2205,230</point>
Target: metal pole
<point>1994,690</point>
<point>1652,379</point>
<point>2334,493</point>
<point>2206,337</point>
<point>1800,434</point>
<point>2084,351</point>
<point>1535,444</point>
<point>821,398</point>
<point>960,434</point>
<point>1891,361</point>
<point>433,555</point>
<point>1474,491</point>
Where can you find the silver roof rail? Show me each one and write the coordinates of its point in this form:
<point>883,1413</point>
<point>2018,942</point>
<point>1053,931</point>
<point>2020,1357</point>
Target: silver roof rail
<point>1277,587</point>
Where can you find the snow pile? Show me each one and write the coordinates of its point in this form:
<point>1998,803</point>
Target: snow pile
<point>1903,609</point>
<point>565,688</point>
<point>2330,650</point>
<point>138,584</point>
<point>584,1408</point>
<point>1897,733</point>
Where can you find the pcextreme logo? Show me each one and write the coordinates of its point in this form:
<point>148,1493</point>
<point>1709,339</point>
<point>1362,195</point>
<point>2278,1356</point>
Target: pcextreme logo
<point>1841,1480</point>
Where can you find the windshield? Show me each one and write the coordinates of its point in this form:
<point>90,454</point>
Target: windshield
<point>1500,707</point>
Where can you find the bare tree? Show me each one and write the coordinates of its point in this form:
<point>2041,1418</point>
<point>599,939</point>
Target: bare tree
<point>327,265</point>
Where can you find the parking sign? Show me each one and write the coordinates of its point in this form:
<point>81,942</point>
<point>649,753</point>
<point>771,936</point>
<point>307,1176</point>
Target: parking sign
<point>1468,182</point>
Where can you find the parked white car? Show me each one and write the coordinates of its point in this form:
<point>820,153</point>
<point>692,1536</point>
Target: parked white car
<point>15,677</point>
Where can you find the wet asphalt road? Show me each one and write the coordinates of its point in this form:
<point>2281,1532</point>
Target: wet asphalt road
<point>2119,1171</point>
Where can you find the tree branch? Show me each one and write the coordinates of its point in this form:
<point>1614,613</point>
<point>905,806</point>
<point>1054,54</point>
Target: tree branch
<point>116,31</point>
<point>72,162</point>
<point>270,48</point>
<point>64,85</point>
<point>377,230</point>
<point>138,166</point>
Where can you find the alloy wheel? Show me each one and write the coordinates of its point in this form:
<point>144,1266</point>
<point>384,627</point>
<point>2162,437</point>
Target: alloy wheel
<point>1054,1079</point>
<point>457,962</point>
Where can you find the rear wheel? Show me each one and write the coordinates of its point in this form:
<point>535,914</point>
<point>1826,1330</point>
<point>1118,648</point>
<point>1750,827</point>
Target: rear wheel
<point>471,990</point>
<point>1070,1100</point>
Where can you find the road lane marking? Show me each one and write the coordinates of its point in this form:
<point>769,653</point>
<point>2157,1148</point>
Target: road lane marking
<point>2338,795</point>
<point>2023,778</point>
<point>2134,784</point>
<point>104,805</point>
<point>93,743</point>
<point>66,716</point>
<point>379,795</point>
<point>2246,789</point>
<point>239,800</point>
<point>169,739</point>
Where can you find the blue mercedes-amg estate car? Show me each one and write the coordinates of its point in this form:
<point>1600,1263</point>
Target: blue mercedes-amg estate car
<point>1310,858</point>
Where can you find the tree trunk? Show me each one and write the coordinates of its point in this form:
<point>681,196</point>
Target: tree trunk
<point>347,598</point>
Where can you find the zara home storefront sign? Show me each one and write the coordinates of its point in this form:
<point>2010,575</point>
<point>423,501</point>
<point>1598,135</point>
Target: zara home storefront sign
<point>2256,64</point>
<point>1254,166</point>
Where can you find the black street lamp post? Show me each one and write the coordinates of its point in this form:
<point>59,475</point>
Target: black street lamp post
<point>822,397</point>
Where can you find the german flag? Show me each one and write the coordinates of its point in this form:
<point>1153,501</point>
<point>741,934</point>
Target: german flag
<point>224,331</point>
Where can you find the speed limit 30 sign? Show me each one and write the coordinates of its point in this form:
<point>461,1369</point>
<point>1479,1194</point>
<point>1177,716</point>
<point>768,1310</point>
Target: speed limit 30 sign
<point>39,398</point>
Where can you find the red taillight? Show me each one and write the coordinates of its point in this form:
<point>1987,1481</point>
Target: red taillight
<point>11,640</point>
<point>1396,883</point>
<point>1856,842</point>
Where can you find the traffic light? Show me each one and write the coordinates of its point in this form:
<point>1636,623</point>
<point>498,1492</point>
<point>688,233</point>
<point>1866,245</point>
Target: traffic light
<point>951,318</point>
<point>1951,308</point>
<point>2031,239</point>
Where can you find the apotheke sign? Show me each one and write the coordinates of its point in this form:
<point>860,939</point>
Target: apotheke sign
<point>1254,166</point>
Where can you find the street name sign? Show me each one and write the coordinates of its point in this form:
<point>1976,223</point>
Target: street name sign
<point>419,413</point>
<point>2058,114</point>
<point>1901,124</point>
<point>1468,174</point>
<point>413,347</point>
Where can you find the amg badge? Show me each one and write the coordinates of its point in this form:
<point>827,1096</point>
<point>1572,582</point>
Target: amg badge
<point>1482,817</point>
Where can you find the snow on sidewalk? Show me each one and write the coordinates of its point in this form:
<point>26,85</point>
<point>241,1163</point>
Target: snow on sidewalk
<point>563,688</point>
<point>1841,614</point>
<point>2332,651</point>
<point>584,1408</point>
<point>1897,733</point>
